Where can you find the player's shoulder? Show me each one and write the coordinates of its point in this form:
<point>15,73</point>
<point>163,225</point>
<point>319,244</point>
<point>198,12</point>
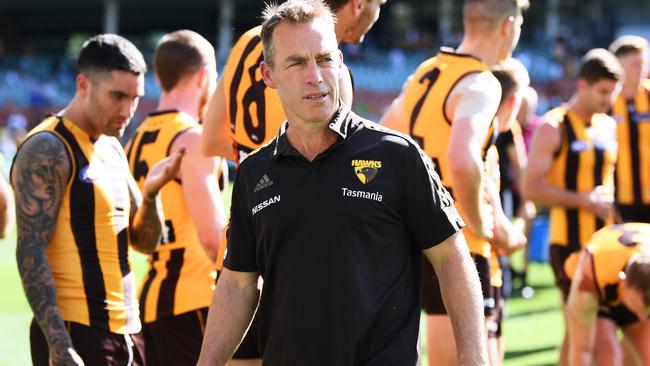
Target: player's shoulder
<point>555,116</point>
<point>260,156</point>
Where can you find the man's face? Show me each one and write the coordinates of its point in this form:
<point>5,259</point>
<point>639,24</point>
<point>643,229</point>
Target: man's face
<point>599,95</point>
<point>635,66</point>
<point>305,71</point>
<point>367,18</point>
<point>110,100</point>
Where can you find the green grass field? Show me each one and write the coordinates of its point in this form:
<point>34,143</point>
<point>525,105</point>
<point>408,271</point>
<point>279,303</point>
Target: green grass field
<point>532,330</point>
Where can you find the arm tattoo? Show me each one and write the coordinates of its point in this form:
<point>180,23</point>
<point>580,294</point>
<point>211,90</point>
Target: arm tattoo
<point>146,227</point>
<point>40,175</point>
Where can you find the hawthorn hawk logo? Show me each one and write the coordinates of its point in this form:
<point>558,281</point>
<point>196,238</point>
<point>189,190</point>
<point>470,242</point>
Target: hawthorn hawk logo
<point>366,170</point>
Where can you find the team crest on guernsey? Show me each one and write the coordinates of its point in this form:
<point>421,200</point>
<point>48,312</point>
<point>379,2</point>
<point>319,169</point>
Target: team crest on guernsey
<point>89,174</point>
<point>366,170</point>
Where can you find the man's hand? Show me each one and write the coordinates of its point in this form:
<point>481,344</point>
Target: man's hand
<point>601,202</point>
<point>161,173</point>
<point>66,356</point>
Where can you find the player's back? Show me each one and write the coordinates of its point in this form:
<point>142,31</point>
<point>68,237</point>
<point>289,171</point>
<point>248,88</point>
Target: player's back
<point>611,248</point>
<point>254,111</point>
<point>426,95</point>
<point>181,275</point>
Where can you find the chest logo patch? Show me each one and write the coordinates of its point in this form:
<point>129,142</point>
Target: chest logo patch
<point>366,170</point>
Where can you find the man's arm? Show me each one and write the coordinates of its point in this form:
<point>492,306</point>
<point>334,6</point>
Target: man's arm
<point>233,305</point>
<point>40,174</point>
<point>146,225</point>
<point>461,292</point>
<point>201,191</point>
<point>7,208</point>
<point>582,310</point>
<point>473,103</point>
<point>545,144</point>
<point>216,139</point>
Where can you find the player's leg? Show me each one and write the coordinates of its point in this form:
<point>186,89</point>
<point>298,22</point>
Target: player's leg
<point>607,351</point>
<point>558,255</point>
<point>637,335</point>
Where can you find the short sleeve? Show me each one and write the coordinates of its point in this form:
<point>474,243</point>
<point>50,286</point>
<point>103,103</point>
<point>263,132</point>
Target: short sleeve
<point>430,213</point>
<point>241,251</point>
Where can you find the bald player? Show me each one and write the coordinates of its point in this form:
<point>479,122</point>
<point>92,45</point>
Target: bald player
<point>244,113</point>
<point>448,106</point>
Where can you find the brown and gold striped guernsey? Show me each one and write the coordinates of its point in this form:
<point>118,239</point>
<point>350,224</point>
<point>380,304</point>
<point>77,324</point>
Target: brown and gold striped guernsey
<point>611,248</point>
<point>584,160</point>
<point>88,252</point>
<point>425,96</point>
<point>254,110</point>
<point>181,277</point>
<point>633,131</point>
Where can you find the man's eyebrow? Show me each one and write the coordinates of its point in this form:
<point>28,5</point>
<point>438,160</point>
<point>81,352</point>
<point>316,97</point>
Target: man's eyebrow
<point>295,58</point>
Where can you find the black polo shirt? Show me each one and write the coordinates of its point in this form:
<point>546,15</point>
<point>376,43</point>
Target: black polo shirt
<point>338,242</point>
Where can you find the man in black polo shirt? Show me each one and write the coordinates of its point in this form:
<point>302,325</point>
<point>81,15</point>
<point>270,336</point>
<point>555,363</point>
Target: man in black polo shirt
<point>334,214</point>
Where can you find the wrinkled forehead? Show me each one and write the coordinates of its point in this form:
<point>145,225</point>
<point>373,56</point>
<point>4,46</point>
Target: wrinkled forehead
<point>316,34</point>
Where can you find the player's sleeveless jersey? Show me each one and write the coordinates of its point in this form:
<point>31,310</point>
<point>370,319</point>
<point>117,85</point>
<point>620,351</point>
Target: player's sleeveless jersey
<point>181,277</point>
<point>611,247</point>
<point>633,132</point>
<point>425,95</point>
<point>254,110</point>
<point>88,251</point>
<point>584,160</point>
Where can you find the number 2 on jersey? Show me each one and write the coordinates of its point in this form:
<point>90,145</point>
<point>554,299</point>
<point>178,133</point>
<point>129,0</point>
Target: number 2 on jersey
<point>429,78</point>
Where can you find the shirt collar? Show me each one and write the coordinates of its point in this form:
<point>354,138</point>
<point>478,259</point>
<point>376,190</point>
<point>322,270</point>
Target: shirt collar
<point>342,123</point>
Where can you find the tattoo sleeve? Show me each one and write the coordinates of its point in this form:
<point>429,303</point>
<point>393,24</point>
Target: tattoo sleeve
<point>146,228</point>
<point>41,171</point>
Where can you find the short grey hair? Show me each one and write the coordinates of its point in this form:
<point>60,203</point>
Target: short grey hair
<point>292,12</point>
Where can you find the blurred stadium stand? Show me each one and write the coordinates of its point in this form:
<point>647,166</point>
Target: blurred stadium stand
<point>39,39</point>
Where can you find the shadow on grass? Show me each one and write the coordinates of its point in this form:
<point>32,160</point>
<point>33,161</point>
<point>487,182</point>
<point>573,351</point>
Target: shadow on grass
<point>520,353</point>
<point>521,314</point>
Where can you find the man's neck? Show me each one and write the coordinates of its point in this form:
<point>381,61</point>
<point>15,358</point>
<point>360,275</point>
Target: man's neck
<point>310,139</point>
<point>181,99</point>
<point>482,48</point>
<point>73,112</point>
<point>577,107</point>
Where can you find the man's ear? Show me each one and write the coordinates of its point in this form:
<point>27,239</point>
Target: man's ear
<point>83,84</point>
<point>267,75</point>
<point>506,26</point>
<point>202,77</point>
<point>582,84</point>
<point>357,6</point>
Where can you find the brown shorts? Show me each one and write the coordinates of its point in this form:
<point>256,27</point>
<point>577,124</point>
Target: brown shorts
<point>432,297</point>
<point>559,255</point>
<point>619,314</point>
<point>97,347</point>
<point>175,340</point>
